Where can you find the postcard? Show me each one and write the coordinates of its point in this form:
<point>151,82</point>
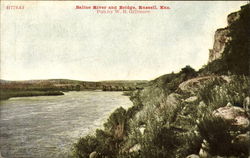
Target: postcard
<point>124,79</point>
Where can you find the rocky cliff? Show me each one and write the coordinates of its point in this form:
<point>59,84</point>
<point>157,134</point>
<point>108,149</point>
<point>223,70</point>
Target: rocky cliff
<point>187,114</point>
<point>230,53</point>
<point>222,37</point>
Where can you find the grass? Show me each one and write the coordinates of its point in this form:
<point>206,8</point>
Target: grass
<point>216,93</point>
<point>6,94</point>
<point>105,142</point>
<point>178,129</point>
<point>219,134</point>
<point>171,129</point>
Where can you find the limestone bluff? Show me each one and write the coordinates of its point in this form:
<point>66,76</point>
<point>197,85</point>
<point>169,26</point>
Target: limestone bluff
<point>222,37</point>
<point>189,114</point>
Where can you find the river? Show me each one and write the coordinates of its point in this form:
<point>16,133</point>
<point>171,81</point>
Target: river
<point>47,126</point>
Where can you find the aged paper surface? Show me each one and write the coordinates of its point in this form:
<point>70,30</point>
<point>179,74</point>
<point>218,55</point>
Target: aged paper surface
<point>74,40</point>
<point>54,47</point>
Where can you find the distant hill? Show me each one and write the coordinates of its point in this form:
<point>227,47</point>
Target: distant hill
<point>66,84</point>
<point>188,114</point>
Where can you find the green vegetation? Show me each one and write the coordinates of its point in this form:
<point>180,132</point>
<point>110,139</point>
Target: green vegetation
<point>168,120</point>
<point>10,89</point>
<point>108,141</point>
<point>69,85</point>
<point>165,120</point>
<point>220,134</point>
<point>173,118</point>
<point>6,94</point>
<point>216,93</point>
<point>120,126</point>
<point>172,127</point>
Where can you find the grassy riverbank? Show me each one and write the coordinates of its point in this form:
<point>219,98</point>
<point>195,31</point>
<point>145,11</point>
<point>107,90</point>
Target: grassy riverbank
<point>52,87</point>
<point>6,94</point>
<point>192,114</point>
<point>171,123</point>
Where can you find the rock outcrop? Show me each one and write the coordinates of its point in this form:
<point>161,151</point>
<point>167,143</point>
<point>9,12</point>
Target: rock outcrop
<point>193,156</point>
<point>235,114</point>
<point>242,140</point>
<point>174,116</point>
<point>93,154</point>
<point>203,153</point>
<point>231,18</point>
<point>191,99</point>
<point>246,104</point>
<point>193,84</point>
<point>135,148</point>
<point>222,37</point>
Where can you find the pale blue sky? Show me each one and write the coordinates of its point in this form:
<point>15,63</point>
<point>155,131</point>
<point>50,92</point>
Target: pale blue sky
<point>53,40</point>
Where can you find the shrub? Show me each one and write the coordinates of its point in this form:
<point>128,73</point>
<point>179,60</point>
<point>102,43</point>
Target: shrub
<point>159,142</point>
<point>85,146</point>
<point>118,117</point>
<point>216,93</point>
<point>105,142</point>
<point>219,134</point>
<point>191,143</point>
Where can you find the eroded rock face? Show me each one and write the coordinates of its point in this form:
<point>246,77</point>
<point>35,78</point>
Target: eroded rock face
<point>231,18</point>
<point>193,84</point>
<point>221,38</point>
<point>235,114</point>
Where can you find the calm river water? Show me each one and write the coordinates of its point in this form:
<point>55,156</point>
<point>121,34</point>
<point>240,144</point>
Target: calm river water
<point>47,126</point>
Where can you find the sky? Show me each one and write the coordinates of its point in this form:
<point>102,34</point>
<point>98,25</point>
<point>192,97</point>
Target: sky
<point>52,40</point>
